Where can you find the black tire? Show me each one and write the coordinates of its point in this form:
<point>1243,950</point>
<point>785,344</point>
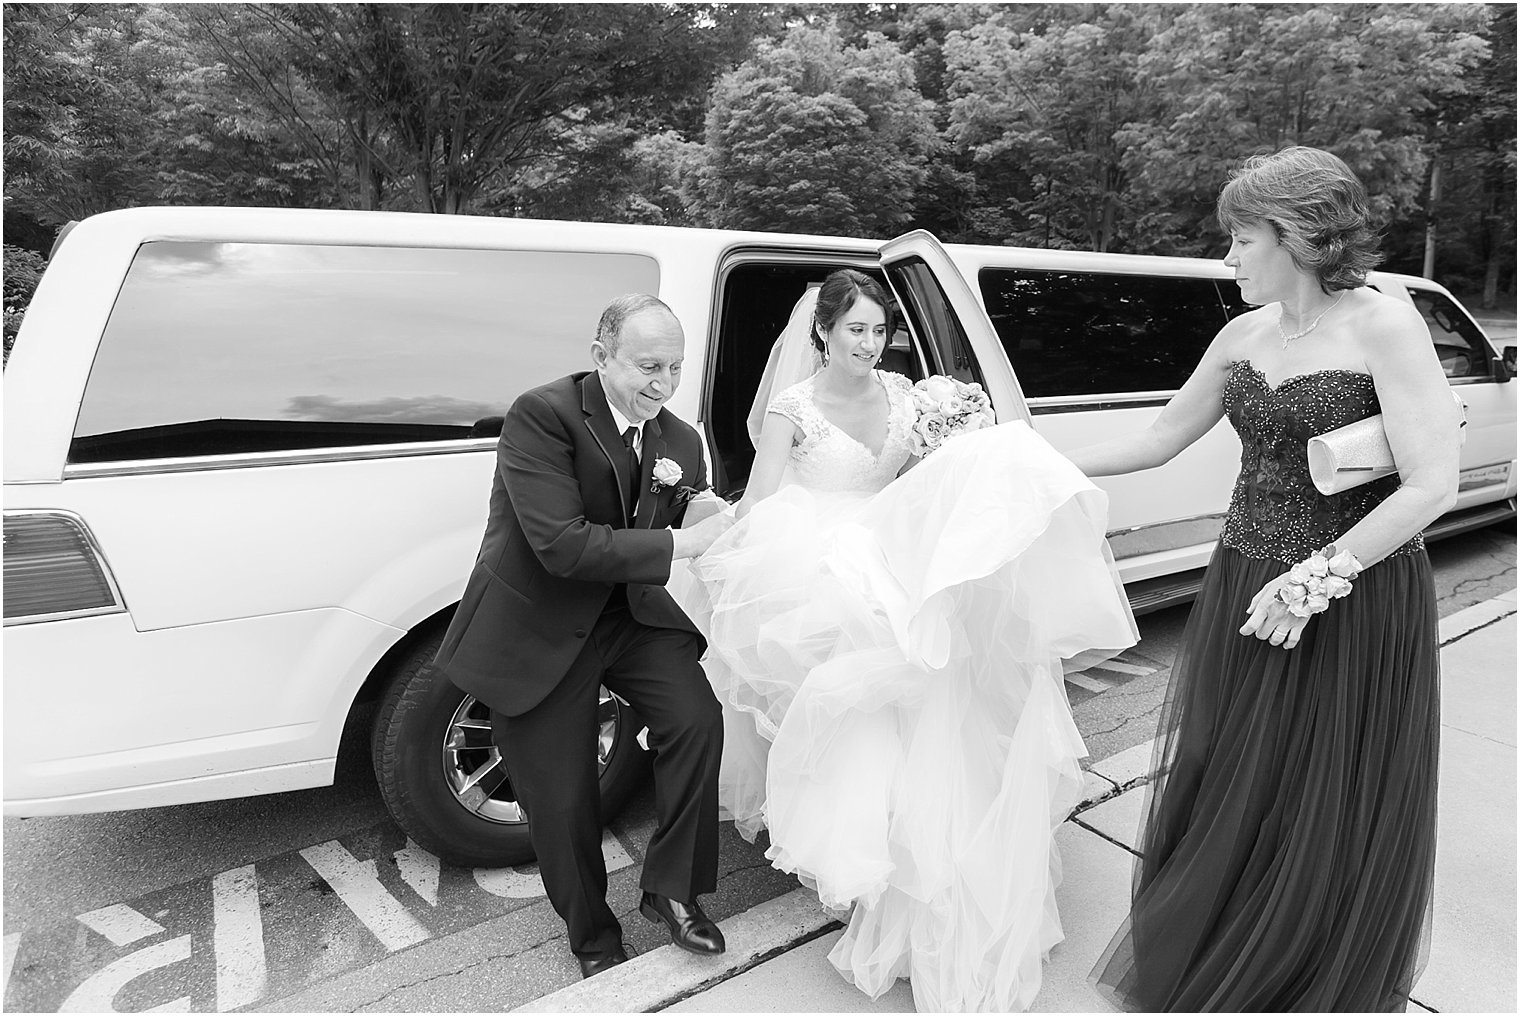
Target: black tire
<point>418,767</point>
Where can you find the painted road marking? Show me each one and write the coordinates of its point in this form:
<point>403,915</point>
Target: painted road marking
<point>357,884</point>
<point>1123,668</point>
<point>529,884</point>
<point>1081,680</point>
<point>121,924</point>
<point>264,931</point>
<point>98,992</point>
<point>1110,674</point>
<point>12,941</point>
<point>420,870</point>
<point>241,972</point>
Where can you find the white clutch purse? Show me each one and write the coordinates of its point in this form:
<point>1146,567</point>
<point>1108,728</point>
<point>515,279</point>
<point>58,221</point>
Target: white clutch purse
<point>1355,454</point>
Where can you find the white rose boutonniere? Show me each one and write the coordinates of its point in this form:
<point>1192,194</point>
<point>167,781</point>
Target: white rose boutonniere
<point>667,473</point>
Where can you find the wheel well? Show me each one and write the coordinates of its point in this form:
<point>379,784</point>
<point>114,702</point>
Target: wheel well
<point>361,711</point>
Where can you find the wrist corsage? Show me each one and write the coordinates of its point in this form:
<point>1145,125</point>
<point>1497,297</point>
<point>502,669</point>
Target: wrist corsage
<point>946,407</point>
<point>1319,578</point>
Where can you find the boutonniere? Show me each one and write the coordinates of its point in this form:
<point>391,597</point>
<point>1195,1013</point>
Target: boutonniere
<point>667,473</point>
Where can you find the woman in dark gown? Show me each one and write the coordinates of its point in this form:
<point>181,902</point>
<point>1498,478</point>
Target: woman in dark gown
<point>1289,840</point>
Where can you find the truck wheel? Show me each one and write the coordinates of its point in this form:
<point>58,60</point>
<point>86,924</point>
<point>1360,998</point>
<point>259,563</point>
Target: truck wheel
<point>444,781</point>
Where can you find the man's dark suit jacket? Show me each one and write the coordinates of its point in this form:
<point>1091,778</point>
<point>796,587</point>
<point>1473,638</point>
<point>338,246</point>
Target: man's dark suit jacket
<point>557,542</point>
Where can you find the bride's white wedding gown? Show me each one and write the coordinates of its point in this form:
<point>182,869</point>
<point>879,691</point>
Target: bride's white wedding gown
<point>888,652</point>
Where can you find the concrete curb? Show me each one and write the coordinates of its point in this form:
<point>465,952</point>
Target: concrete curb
<point>666,975</point>
<point>1479,615</point>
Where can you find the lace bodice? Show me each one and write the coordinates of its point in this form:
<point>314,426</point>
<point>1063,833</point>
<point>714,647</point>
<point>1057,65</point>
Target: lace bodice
<point>1276,512</point>
<point>826,458</point>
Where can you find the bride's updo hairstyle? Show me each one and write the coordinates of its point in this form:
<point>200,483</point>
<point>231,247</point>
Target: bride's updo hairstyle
<point>1315,205</point>
<point>838,294</point>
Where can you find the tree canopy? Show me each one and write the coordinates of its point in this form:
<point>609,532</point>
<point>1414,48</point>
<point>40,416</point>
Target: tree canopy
<point>1095,126</point>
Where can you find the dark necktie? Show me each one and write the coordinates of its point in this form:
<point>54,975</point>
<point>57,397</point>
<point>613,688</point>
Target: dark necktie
<point>633,469</point>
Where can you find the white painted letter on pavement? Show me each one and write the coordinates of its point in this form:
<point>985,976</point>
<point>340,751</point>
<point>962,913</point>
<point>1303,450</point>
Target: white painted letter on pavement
<point>12,943</point>
<point>509,884</point>
<point>241,971</point>
<point>419,869</point>
<point>120,924</point>
<point>359,887</point>
<point>98,993</point>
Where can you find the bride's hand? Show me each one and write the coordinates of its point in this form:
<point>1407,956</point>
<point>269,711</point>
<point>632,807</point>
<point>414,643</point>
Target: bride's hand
<point>1271,620</point>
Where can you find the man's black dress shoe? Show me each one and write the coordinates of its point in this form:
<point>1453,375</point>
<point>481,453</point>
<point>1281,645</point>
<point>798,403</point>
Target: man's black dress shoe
<point>596,964</point>
<point>690,929</point>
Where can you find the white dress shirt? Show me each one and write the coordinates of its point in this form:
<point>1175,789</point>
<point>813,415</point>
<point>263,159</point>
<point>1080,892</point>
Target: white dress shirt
<point>623,423</point>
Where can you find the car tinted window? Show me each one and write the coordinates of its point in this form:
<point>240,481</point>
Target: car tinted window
<point>217,348</point>
<point>1088,333</point>
<point>1462,350</point>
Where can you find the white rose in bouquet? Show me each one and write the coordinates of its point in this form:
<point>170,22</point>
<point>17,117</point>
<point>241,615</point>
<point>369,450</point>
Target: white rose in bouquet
<point>946,407</point>
<point>938,387</point>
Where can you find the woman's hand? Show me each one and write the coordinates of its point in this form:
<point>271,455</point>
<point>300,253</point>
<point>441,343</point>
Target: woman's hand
<point>1271,620</point>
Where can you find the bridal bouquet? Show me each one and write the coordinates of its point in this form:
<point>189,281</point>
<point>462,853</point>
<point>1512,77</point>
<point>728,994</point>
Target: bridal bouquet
<point>947,407</point>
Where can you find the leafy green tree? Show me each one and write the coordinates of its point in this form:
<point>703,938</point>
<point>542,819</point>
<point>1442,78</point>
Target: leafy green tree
<point>23,270</point>
<point>461,101</point>
<point>814,134</point>
<point>1038,96</point>
<point>83,82</point>
<point>1470,210</point>
<point>247,128</point>
<point>1237,79</point>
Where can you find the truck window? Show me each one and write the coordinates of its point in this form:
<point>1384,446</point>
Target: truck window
<point>1092,333</point>
<point>1460,346</point>
<point>225,348</point>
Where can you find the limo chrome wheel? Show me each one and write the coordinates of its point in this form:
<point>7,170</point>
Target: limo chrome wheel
<point>474,769</point>
<point>443,780</point>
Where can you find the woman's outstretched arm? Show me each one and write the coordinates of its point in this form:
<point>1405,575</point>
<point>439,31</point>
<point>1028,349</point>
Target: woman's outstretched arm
<point>1196,407</point>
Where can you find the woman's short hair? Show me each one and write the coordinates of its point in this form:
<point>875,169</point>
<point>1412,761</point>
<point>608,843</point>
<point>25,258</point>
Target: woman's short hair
<point>1315,205</point>
<point>839,293</point>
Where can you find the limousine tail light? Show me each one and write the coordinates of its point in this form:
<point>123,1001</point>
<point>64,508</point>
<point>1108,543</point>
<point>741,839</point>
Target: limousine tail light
<point>54,569</point>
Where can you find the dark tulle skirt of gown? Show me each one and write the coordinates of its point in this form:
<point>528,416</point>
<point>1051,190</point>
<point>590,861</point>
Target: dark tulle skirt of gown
<point>1289,840</point>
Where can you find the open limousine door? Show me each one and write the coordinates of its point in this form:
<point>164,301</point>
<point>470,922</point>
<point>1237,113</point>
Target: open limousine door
<point>950,322</point>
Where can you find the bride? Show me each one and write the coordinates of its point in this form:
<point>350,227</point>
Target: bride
<point>887,644</point>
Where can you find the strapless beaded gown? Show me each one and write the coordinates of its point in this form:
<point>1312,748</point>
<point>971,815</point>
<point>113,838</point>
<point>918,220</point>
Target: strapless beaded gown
<point>888,651</point>
<point>1289,847</point>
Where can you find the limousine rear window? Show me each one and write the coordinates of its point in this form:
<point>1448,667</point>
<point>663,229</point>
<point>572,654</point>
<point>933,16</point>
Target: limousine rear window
<point>226,348</point>
<point>1092,333</point>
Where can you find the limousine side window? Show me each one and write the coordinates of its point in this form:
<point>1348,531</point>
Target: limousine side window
<point>1460,346</point>
<point>227,348</point>
<point>1090,333</point>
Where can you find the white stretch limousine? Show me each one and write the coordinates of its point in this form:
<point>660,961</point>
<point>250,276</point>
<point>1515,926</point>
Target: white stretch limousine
<point>248,453</point>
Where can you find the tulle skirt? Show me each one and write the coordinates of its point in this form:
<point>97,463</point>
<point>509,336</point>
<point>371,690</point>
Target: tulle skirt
<point>891,670</point>
<point>1289,846</point>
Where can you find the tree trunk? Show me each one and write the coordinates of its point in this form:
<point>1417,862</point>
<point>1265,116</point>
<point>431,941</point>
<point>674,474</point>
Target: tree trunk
<point>1429,269</point>
<point>1494,227</point>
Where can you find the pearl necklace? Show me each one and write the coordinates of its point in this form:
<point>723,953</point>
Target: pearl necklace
<point>1312,324</point>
